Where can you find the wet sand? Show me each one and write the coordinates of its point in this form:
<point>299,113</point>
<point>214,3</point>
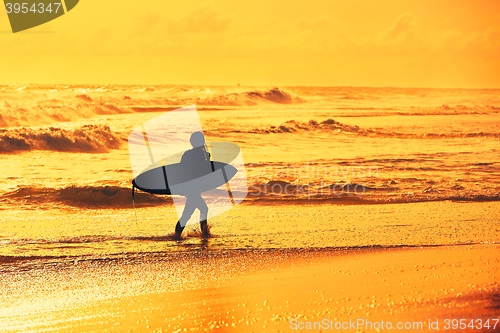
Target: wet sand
<point>254,290</point>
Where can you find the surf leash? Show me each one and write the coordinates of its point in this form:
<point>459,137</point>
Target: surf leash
<point>133,204</point>
<point>227,185</point>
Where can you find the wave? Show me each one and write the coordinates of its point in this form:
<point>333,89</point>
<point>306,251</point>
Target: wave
<point>312,125</point>
<point>248,98</point>
<point>281,186</point>
<point>85,139</point>
<point>48,111</point>
<point>333,126</point>
<point>347,199</point>
<point>167,108</point>
<point>274,95</point>
<point>269,192</point>
<point>284,190</point>
<point>84,196</point>
<point>37,105</point>
<point>47,106</point>
<point>84,98</point>
<point>210,103</point>
<point>281,191</point>
<point>415,110</point>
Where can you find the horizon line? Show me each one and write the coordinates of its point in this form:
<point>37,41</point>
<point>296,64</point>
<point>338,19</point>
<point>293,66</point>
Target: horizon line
<point>259,85</point>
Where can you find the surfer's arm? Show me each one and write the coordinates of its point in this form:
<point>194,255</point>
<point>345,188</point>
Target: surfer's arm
<point>185,158</point>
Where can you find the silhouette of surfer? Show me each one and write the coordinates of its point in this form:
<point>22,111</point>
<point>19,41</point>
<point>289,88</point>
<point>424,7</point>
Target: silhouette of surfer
<point>195,162</point>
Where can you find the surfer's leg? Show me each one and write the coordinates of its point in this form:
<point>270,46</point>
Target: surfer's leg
<point>186,214</point>
<point>205,230</point>
<point>191,204</point>
<point>202,206</point>
<point>178,229</point>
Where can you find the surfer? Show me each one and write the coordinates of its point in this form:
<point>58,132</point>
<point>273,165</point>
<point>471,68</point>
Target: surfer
<point>196,162</point>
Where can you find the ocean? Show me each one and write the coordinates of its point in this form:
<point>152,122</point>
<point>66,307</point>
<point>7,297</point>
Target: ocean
<point>355,160</point>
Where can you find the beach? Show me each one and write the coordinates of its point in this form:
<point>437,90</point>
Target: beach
<point>217,284</point>
<point>351,204</point>
<point>259,291</point>
<point>235,166</point>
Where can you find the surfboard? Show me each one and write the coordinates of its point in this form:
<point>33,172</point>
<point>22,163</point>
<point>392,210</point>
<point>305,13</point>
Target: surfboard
<point>175,179</point>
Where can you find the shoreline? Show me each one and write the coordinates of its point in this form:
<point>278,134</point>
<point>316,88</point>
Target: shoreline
<point>111,233</point>
<point>254,290</point>
<point>215,253</point>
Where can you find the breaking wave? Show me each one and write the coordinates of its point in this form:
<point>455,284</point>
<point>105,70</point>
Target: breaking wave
<point>333,126</point>
<point>248,98</point>
<point>313,125</point>
<point>43,107</point>
<point>49,111</point>
<point>280,191</point>
<point>85,139</point>
<point>274,95</point>
<point>365,200</point>
<point>270,192</point>
<point>83,196</point>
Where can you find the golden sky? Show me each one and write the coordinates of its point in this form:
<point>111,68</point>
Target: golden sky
<point>416,43</point>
